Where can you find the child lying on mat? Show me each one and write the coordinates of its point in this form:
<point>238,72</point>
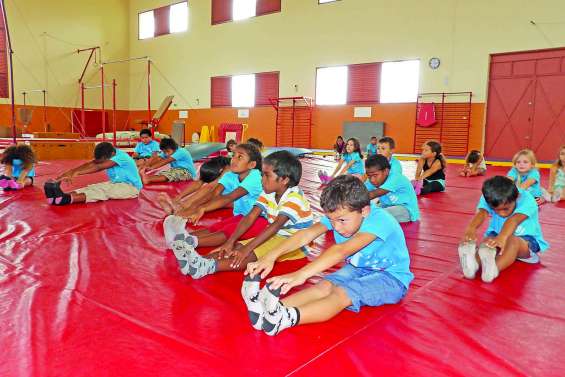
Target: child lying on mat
<point>19,167</point>
<point>376,271</point>
<point>146,150</point>
<point>124,183</point>
<point>179,159</point>
<point>394,191</point>
<point>281,202</point>
<point>514,232</point>
<point>198,191</point>
<point>238,188</point>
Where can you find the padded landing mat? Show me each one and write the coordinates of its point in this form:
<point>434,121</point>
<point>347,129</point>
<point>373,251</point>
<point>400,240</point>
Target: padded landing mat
<point>88,290</point>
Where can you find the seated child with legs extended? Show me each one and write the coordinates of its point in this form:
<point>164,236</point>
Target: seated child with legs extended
<point>351,162</point>
<point>372,147</point>
<point>198,191</point>
<point>238,188</point>
<point>525,174</point>
<point>376,270</point>
<point>339,147</point>
<point>230,147</point>
<point>146,149</point>
<point>556,189</point>
<point>19,167</point>
<point>475,164</point>
<point>125,182</point>
<point>394,191</point>
<point>430,172</point>
<point>386,148</point>
<point>514,232</point>
<point>179,159</point>
<point>281,202</point>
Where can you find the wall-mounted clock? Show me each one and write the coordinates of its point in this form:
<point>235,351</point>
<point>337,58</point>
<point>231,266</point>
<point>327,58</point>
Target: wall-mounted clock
<point>434,63</point>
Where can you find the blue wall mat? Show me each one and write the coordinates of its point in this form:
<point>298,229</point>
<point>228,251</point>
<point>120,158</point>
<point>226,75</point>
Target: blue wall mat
<point>200,151</point>
<point>295,151</point>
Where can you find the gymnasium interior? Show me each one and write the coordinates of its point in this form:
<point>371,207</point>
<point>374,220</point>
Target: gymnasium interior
<point>92,290</point>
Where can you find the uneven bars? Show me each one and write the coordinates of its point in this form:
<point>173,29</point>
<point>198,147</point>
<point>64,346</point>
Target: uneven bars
<point>125,60</point>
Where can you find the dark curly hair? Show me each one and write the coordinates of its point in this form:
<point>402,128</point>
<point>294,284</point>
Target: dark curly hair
<point>345,191</point>
<point>21,152</point>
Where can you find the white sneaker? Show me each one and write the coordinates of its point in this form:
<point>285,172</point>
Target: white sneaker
<point>172,226</point>
<point>468,259</point>
<point>488,263</point>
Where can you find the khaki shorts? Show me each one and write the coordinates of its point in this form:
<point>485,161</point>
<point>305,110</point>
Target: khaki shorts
<point>272,243</point>
<point>176,174</point>
<point>108,190</point>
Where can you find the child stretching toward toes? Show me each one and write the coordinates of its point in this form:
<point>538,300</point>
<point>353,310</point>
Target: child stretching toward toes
<point>125,182</point>
<point>146,150</point>
<point>285,208</point>
<point>351,162</point>
<point>394,191</point>
<point>239,188</point>
<point>430,172</point>
<point>514,231</point>
<point>525,174</point>
<point>556,189</point>
<point>19,167</point>
<point>474,164</point>
<point>376,271</point>
<point>180,160</point>
<point>198,191</point>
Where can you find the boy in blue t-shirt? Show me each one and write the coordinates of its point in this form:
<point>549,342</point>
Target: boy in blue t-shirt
<point>179,159</point>
<point>125,182</point>
<point>376,270</point>
<point>514,231</point>
<point>146,149</point>
<point>386,148</point>
<point>372,147</point>
<point>394,191</point>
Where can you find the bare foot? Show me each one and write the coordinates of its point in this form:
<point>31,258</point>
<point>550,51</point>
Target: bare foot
<point>143,175</point>
<point>166,203</point>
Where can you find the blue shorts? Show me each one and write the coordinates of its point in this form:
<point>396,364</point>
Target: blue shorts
<point>366,287</point>
<point>533,244</point>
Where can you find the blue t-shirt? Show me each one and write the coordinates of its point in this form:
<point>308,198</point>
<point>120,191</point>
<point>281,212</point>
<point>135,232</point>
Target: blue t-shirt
<point>395,166</point>
<point>357,167</point>
<point>525,205</point>
<point>18,167</point>
<point>146,150</point>
<point>534,189</point>
<point>125,170</point>
<point>252,184</point>
<point>388,252</point>
<point>371,149</point>
<point>400,193</point>
<point>183,160</point>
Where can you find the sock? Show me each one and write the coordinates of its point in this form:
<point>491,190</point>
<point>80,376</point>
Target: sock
<point>468,260</point>
<point>5,182</point>
<point>277,316</point>
<point>488,263</point>
<point>199,266</point>
<point>175,225</point>
<point>253,300</point>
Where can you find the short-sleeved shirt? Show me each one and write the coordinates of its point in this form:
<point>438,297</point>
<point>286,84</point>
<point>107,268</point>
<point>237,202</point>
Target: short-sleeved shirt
<point>534,189</point>
<point>292,204</point>
<point>371,149</point>
<point>388,252</point>
<point>146,150</point>
<point>525,205</point>
<point>18,167</point>
<point>125,170</point>
<point>252,184</point>
<point>357,167</point>
<point>395,166</point>
<point>183,160</point>
<point>400,193</point>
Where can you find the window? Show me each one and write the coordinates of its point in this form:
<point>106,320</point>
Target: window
<point>165,20</point>
<point>399,81</point>
<point>331,85</point>
<point>244,90</point>
<point>234,10</point>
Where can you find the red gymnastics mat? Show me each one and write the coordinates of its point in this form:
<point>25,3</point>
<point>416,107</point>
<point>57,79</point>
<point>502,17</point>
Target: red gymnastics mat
<point>88,290</point>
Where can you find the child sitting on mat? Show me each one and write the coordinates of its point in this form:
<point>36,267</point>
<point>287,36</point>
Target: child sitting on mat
<point>556,189</point>
<point>376,270</point>
<point>474,164</point>
<point>281,202</point>
<point>394,191</point>
<point>430,172</point>
<point>339,148</point>
<point>19,167</point>
<point>238,188</point>
<point>351,162</point>
<point>198,191</point>
<point>180,160</point>
<point>386,148</point>
<point>146,149</point>
<point>525,174</point>
<point>230,147</point>
<point>514,232</point>
<point>124,183</point>
<point>372,147</point>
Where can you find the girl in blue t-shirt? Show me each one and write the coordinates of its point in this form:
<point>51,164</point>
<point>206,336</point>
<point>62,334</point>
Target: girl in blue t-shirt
<point>352,160</point>
<point>19,162</point>
<point>525,174</point>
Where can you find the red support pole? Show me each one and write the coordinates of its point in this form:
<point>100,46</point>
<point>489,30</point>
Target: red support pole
<point>149,97</point>
<point>82,114</point>
<point>45,111</point>
<point>10,53</point>
<point>114,110</point>
<point>103,108</point>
